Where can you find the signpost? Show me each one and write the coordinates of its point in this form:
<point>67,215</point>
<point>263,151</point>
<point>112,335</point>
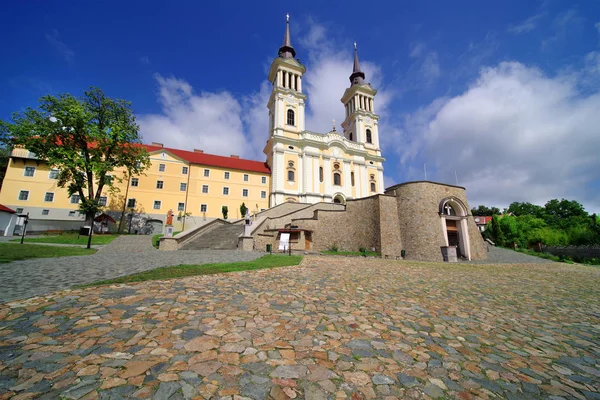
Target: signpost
<point>284,241</point>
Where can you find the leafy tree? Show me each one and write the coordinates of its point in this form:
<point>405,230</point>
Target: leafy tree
<point>85,138</point>
<point>225,211</point>
<point>483,211</point>
<point>496,231</point>
<point>243,210</point>
<point>564,213</point>
<point>518,209</point>
<point>4,157</point>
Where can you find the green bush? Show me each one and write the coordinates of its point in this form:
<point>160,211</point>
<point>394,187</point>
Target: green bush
<point>333,248</point>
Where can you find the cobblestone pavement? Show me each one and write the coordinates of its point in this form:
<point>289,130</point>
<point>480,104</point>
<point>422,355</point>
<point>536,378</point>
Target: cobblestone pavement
<point>330,328</point>
<point>123,256</point>
<point>499,255</point>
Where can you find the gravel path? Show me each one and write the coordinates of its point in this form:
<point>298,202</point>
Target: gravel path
<point>331,328</point>
<point>499,255</point>
<point>123,256</point>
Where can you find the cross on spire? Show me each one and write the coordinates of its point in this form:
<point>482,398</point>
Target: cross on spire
<point>287,50</point>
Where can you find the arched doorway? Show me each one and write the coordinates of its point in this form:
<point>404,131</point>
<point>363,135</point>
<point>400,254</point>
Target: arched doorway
<point>453,214</point>
<point>339,198</point>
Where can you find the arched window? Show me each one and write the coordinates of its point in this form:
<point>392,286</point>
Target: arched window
<point>449,210</point>
<point>352,178</point>
<point>321,174</point>
<point>337,179</point>
<point>291,120</point>
<point>291,176</point>
<point>369,136</point>
<point>373,188</point>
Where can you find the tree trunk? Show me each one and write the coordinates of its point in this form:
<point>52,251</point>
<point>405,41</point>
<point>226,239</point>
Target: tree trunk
<point>89,220</point>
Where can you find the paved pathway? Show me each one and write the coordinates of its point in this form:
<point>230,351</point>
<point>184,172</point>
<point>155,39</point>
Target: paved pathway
<point>330,328</point>
<point>499,255</point>
<point>123,256</point>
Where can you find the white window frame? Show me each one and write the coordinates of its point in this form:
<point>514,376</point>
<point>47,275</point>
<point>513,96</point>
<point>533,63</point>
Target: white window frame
<point>19,212</point>
<point>207,173</point>
<point>182,208</point>
<point>207,189</point>
<point>263,194</point>
<point>162,167</point>
<point>184,187</point>
<point>46,211</point>
<point>25,172</point>
<point>225,188</point>
<point>205,208</point>
<point>263,180</point>
<point>49,201</point>
<point>246,191</point>
<point>185,170</point>
<point>137,182</point>
<point>226,175</point>
<point>23,191</point>
<point>75,202</point>
<point>162,185</point>
<point>159,204</point>
<point>105,201</point>
<point>246,178</point>
<point>51,171</point>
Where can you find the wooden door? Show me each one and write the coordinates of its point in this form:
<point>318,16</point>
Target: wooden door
<point>307,240</point>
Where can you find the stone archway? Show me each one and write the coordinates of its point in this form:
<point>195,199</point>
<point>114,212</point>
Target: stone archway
<point>454,220</point>
<point>339,198</point>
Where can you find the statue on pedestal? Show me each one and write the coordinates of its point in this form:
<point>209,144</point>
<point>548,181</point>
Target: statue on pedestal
<point>170,217</point>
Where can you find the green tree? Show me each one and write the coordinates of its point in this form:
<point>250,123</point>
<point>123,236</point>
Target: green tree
<point>564,214</point>
<point>519,209</point>
<point>85,138</point>
<point>243,210</point>
<point>496,231</point>
<point>225,211</point>
<point>5,151</point>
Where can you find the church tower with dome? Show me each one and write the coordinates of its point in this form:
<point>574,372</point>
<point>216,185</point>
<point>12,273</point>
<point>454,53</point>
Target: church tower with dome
<point>311,167</point>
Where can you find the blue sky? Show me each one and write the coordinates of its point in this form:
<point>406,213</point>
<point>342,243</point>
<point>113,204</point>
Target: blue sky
<point>506,93</point>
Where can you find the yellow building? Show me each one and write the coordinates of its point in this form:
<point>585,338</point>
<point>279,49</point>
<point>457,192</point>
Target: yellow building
<point>301,166</point>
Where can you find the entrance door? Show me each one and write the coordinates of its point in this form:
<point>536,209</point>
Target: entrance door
<point>453,236</point>
<point>307,240</point>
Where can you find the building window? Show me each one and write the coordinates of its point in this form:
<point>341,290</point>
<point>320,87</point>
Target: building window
<point>162,167</point>
<point>291,164</point>
<point>337,179</point>
<point>108,179</point>
<point>369,136</point>
<point>206,173</point>
<point>135,182</point>
<point>350,136</point>
<point>203,208</point>
<point>130,203</point>
<point>372,177</point>
<point>290,176</point>
<point>291,117</point>
<point>321,174</point>
<point>24,195</point>
<point>205,189</point>
<point>102,201</point>
<point>75,199</point>
<point>263,194</point>
<point>180,206</point>
<point>225,191</point>
<point>49,196</point>
<point>29,171</point>
<point>449,210</point>
<point>159,184</point>
<point>373,189</point>
<point>53,174</point>
<point>226,175</point>
<point>352,178</point>
<point>244,192</point>
<point>45,212</point>
<point>157,204</point>
<point>184,170</point>
<point>72,213</point>
<point>182,187</point>
<point>246,178</point>
<point>263,180</point>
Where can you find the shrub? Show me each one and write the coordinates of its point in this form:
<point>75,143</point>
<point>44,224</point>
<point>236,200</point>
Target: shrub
<point>333,248</point>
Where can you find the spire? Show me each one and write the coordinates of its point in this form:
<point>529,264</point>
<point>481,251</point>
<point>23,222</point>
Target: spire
<point>287,51</point>
<point>357,77</point>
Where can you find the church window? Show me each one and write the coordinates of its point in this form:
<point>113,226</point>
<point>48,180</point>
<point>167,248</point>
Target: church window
<point>291,117</point>
<point>449,210</point>
<point>337,179</point>
<point>373,189</point>
<point>291,176</point>
<point>291,164</point>
<point>352,178</point>
<point>369,136</point>
<point>372,177</point>
<point>321,174</point>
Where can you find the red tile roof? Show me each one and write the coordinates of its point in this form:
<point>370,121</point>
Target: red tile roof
<point>214,160</point>
<point>483,220</point>
<point>6,209</point>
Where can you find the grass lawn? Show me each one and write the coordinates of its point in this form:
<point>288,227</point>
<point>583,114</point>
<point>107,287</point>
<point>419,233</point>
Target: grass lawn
<point>180,271</point>
<point>156,237</point>
<point>70,238</point>
<point>350,253</point>
<point>12,251</point>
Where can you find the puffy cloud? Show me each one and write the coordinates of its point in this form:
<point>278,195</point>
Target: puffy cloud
<point>515,134</point>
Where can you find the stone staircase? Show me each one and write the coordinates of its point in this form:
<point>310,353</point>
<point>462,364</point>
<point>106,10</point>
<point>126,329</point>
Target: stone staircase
<point>223,237</point>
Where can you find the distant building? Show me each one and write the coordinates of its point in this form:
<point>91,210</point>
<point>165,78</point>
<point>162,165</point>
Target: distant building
<point>481,222</point>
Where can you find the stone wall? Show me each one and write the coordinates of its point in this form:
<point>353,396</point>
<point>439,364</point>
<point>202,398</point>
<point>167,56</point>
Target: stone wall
<point>422,233</point>
<point>389,227</point>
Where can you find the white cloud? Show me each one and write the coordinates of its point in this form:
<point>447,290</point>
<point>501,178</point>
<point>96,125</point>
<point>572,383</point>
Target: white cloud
<point>55,41</point>
<point>526,26</point>
<point>515,135</point>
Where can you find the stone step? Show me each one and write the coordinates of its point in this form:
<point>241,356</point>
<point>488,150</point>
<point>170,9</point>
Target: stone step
<point>224,237</point>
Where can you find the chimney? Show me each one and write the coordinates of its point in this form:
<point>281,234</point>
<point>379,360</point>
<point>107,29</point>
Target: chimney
<point>157,144</point>
<point>198,151</point>
<point>234,156</point>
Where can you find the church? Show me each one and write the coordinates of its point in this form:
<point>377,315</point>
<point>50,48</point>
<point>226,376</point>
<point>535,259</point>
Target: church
<point>309,167</point>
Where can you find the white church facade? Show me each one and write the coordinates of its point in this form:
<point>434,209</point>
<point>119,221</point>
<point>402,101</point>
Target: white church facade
<point>309,167</point>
